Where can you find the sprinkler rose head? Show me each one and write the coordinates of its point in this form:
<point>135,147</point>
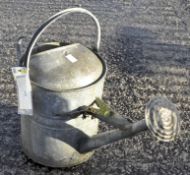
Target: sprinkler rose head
<point>162,119</point>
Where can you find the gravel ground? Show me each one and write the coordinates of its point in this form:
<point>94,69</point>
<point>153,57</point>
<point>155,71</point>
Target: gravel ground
<point>146,46</point>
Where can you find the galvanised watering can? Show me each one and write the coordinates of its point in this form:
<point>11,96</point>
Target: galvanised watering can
<point>67,85</point>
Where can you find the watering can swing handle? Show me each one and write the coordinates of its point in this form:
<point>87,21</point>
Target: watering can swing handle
<point>26,60</point>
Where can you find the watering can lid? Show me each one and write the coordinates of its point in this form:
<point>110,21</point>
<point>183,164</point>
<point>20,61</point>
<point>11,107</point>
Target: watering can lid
<point>65,68</point>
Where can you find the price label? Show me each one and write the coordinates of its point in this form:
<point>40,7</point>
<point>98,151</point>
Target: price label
<point>24,90</point>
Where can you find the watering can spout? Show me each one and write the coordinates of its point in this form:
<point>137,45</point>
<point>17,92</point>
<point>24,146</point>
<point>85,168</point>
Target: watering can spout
<point>161,119</point>
<point>112,136</point>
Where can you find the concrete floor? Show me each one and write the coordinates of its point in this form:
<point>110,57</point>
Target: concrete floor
<point>146,46</point>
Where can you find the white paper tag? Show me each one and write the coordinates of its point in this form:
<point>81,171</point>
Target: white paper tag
<point>24,90</point>
<point>71,58</point>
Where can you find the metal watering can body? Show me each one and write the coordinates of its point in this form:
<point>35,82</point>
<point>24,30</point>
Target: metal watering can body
<point>67,85</point>
<point>52,140</point>
<point>63,78</point>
